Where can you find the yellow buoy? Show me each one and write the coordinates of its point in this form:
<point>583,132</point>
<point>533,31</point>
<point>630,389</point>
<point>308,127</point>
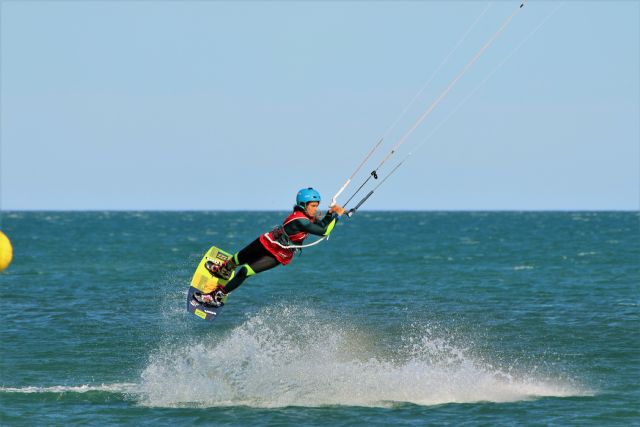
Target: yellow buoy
<point>6,251</point>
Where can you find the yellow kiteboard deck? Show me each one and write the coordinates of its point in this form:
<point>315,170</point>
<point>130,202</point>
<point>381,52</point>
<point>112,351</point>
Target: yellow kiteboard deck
<point>203,281</point>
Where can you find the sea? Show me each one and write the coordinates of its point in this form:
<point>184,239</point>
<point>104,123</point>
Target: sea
<point>400,318</point>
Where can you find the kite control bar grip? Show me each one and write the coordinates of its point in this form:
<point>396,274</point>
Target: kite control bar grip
<point>352,211</point>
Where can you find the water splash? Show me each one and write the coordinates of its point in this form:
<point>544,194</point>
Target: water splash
<point>292,356</point>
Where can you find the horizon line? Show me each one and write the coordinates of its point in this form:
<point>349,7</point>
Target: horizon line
<point>636,210</point>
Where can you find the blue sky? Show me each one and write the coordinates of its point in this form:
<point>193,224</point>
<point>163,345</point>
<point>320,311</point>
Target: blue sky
<point>237,105</point>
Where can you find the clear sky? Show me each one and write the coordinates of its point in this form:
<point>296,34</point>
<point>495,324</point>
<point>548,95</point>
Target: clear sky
<point>237,105</point>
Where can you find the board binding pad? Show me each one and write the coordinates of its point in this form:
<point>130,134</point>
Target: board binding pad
<point>203,281</point>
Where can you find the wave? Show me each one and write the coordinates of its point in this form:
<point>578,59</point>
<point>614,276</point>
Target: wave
<point>292,356</point>
<point>123,388</point>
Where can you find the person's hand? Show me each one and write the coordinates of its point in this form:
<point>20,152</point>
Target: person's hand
<point>337,209</point>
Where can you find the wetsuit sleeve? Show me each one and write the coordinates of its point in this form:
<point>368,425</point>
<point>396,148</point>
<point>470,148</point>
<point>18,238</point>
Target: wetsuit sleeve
<point>326,220</point>
<point>319,228</point>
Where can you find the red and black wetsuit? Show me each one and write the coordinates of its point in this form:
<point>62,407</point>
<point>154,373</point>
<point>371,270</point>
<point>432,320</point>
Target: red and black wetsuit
<point>264,253</point>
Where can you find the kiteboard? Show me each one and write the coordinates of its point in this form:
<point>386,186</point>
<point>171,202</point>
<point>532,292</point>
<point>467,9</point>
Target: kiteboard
<point>203,281</point>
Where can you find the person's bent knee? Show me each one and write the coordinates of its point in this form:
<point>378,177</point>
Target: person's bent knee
<point>249,270</point>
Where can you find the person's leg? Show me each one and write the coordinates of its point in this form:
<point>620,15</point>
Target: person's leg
<point>254,259</point>
<point>251,251</point>
<point>264,262</point>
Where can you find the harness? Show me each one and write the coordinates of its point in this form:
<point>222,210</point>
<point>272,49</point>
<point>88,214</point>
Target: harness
<point>279,236</point>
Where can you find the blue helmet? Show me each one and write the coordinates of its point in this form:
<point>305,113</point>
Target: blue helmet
<point>305,196</point>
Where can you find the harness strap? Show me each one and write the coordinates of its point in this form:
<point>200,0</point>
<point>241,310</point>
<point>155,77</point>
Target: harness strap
<point>292,246</point>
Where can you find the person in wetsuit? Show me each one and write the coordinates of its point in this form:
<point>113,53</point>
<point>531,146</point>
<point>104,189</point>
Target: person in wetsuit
<point>272,249</point>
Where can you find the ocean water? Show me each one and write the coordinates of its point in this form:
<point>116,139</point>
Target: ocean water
<point>401,318</point>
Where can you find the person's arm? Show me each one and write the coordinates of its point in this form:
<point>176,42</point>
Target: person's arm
<point>328,217</point>
<point>322,227</point>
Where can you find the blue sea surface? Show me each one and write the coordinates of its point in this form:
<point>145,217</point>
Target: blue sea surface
<point>400,318</point>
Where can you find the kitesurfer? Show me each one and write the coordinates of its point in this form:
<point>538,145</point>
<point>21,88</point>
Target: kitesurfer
<point>275,247</point>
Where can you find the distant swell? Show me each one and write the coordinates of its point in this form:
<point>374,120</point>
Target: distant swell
<point>290,356</point>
